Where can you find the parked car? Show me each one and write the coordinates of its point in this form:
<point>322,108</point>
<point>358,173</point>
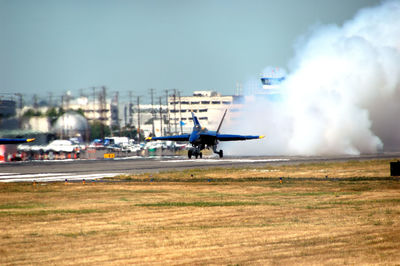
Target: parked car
<point>114,147</point>
<point>60,145</point>
<point>131,148</point>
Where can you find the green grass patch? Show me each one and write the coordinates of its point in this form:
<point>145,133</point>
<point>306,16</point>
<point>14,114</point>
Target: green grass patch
<point>50,212</point>
<point>359,202</point>
<point>25,187</point>
<point>198,204</point>
<point>301,194</point>
<point>149,191</point>
<point>123,199</point>
<point>21,205</point>
<point>314,207</point>
<point>78,234</point>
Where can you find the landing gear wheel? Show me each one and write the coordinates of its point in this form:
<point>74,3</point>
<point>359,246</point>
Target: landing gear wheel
<point>190,154</point>
<point>201,155</point>
<point>221,154</point>
<point>197,155</point>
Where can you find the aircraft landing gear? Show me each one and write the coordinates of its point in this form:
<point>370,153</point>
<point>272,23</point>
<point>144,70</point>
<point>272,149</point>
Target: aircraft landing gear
<point>195,152</point>
<point>220,152</point>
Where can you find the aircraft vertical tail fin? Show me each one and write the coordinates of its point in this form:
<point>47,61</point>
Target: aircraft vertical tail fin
<point>222,120</point>
<point>195,120</point>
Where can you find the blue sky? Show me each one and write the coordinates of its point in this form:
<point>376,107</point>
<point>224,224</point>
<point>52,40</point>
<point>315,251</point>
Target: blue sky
<point>55,46</point>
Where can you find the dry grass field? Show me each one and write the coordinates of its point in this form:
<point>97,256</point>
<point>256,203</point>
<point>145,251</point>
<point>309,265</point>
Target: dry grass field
<point>337,213</point>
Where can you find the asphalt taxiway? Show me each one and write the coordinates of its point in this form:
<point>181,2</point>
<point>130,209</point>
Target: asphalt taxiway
<point>46,171</point>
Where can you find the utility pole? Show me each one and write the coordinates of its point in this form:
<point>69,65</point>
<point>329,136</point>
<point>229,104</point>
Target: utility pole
<point>152,111</point>
<point>35,101</point>
<point>116,103</point>
<point>103,115</point>
<point>19,95</point>
<point>50,99</point>
<point>168,117</point>
<point>161,118</point>
<point>180,111</point>
<point>176,130</point>
<point>130,110</point>
<point>138,118</point>
<point>94,104</point>
<point>19,113</point>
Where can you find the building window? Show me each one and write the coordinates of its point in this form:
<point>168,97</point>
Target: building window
<point>203,110</point>
<point>203,118</point>
<point>205,102</point>
<point>184,102</point>
<point>216,102</point>
<point>226,102</point>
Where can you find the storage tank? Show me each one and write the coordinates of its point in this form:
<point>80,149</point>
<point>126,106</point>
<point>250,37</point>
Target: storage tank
<point>72,124</point>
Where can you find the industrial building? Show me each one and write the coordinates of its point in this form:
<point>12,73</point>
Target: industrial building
<point>8,112</point>
<point>207,105</point>
<point>148,118</point>
<point>105,111</point>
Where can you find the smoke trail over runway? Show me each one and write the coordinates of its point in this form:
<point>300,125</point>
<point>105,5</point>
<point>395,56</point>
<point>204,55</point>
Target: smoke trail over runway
<point>342,94</point>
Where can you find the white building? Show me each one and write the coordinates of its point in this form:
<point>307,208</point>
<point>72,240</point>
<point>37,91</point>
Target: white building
<point>208,106</point>
<point>106,111</point>
<point>36,123</point>
<point>142,117</point>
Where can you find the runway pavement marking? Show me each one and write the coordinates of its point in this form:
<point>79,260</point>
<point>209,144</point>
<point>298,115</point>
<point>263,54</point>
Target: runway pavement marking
<point>225,160</point>
<point>127,158</point>
<point>54,177</point>
<point>11,175</point>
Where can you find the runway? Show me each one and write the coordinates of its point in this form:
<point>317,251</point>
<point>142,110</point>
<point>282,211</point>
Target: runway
<point>73,170</point>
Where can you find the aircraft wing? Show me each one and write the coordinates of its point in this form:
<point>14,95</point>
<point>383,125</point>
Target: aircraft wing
<point>211,136</point>
<point>184,137</point>
<point>232,137</point>
<point>15,141</point>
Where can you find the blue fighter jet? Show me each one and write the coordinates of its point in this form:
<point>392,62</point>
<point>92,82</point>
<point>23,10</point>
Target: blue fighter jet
<point>15,141</point>
<point>201,138</point>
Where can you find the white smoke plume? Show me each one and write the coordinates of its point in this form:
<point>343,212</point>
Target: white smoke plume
<point>341,96</point>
